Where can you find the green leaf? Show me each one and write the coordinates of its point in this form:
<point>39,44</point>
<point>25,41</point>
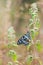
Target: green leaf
<point>29,60</point>
<point>9,45</point>
<point>38,46</point>
<point>28,46</point>
<point>37,24</point>
<point>13,43</point>
<point>11,33</point>
<point>36,33</point>
<point>11,30</point>
<point>31,23</point>
<point>13,55</point>
<point>33,15</point>
<point>30,11</point>
<point>32,33</point>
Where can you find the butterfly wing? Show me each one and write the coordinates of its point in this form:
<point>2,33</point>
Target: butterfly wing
<point>24,39</point>
<point>19,41</point>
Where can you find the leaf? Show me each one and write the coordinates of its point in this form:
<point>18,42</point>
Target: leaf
<point>34,15</point>
<point>36,33</point>
<point>32,33</point>
<point>9,45</point>
<point>13,55</point>
<point>11,36</point>
<point>29,60</point>
<point>30,11</point>
<point>37,24</point>
<point>31,23</point>
<point>13,43</point>
<point>28,46</point>
<point>38,46</point>
<point>11,33</point>
<point>11,30</point>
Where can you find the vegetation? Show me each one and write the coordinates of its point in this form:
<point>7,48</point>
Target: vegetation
<point>23,16</point>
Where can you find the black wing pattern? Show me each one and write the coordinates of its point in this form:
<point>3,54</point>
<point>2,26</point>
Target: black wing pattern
<point>25,39</point>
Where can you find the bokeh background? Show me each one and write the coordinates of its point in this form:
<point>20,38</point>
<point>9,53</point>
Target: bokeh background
<point>14,13</point>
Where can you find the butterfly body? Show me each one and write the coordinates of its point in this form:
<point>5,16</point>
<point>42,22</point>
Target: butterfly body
<point>24,39</point>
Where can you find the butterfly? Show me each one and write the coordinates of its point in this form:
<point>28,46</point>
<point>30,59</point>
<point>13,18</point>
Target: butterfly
<point>25,39</point>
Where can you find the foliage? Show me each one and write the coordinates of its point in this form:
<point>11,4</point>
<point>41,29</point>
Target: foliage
<point>28,46</point>
<point>11,33</point>
<point>38,46</point>
<point>34,25</point>
<point>37,24</point>
<point>34,22</point>
<point>32,33</point>
<point>11,37</point>
<point>29,60</point>
<point>13,55</point>
<point>11,43</point>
